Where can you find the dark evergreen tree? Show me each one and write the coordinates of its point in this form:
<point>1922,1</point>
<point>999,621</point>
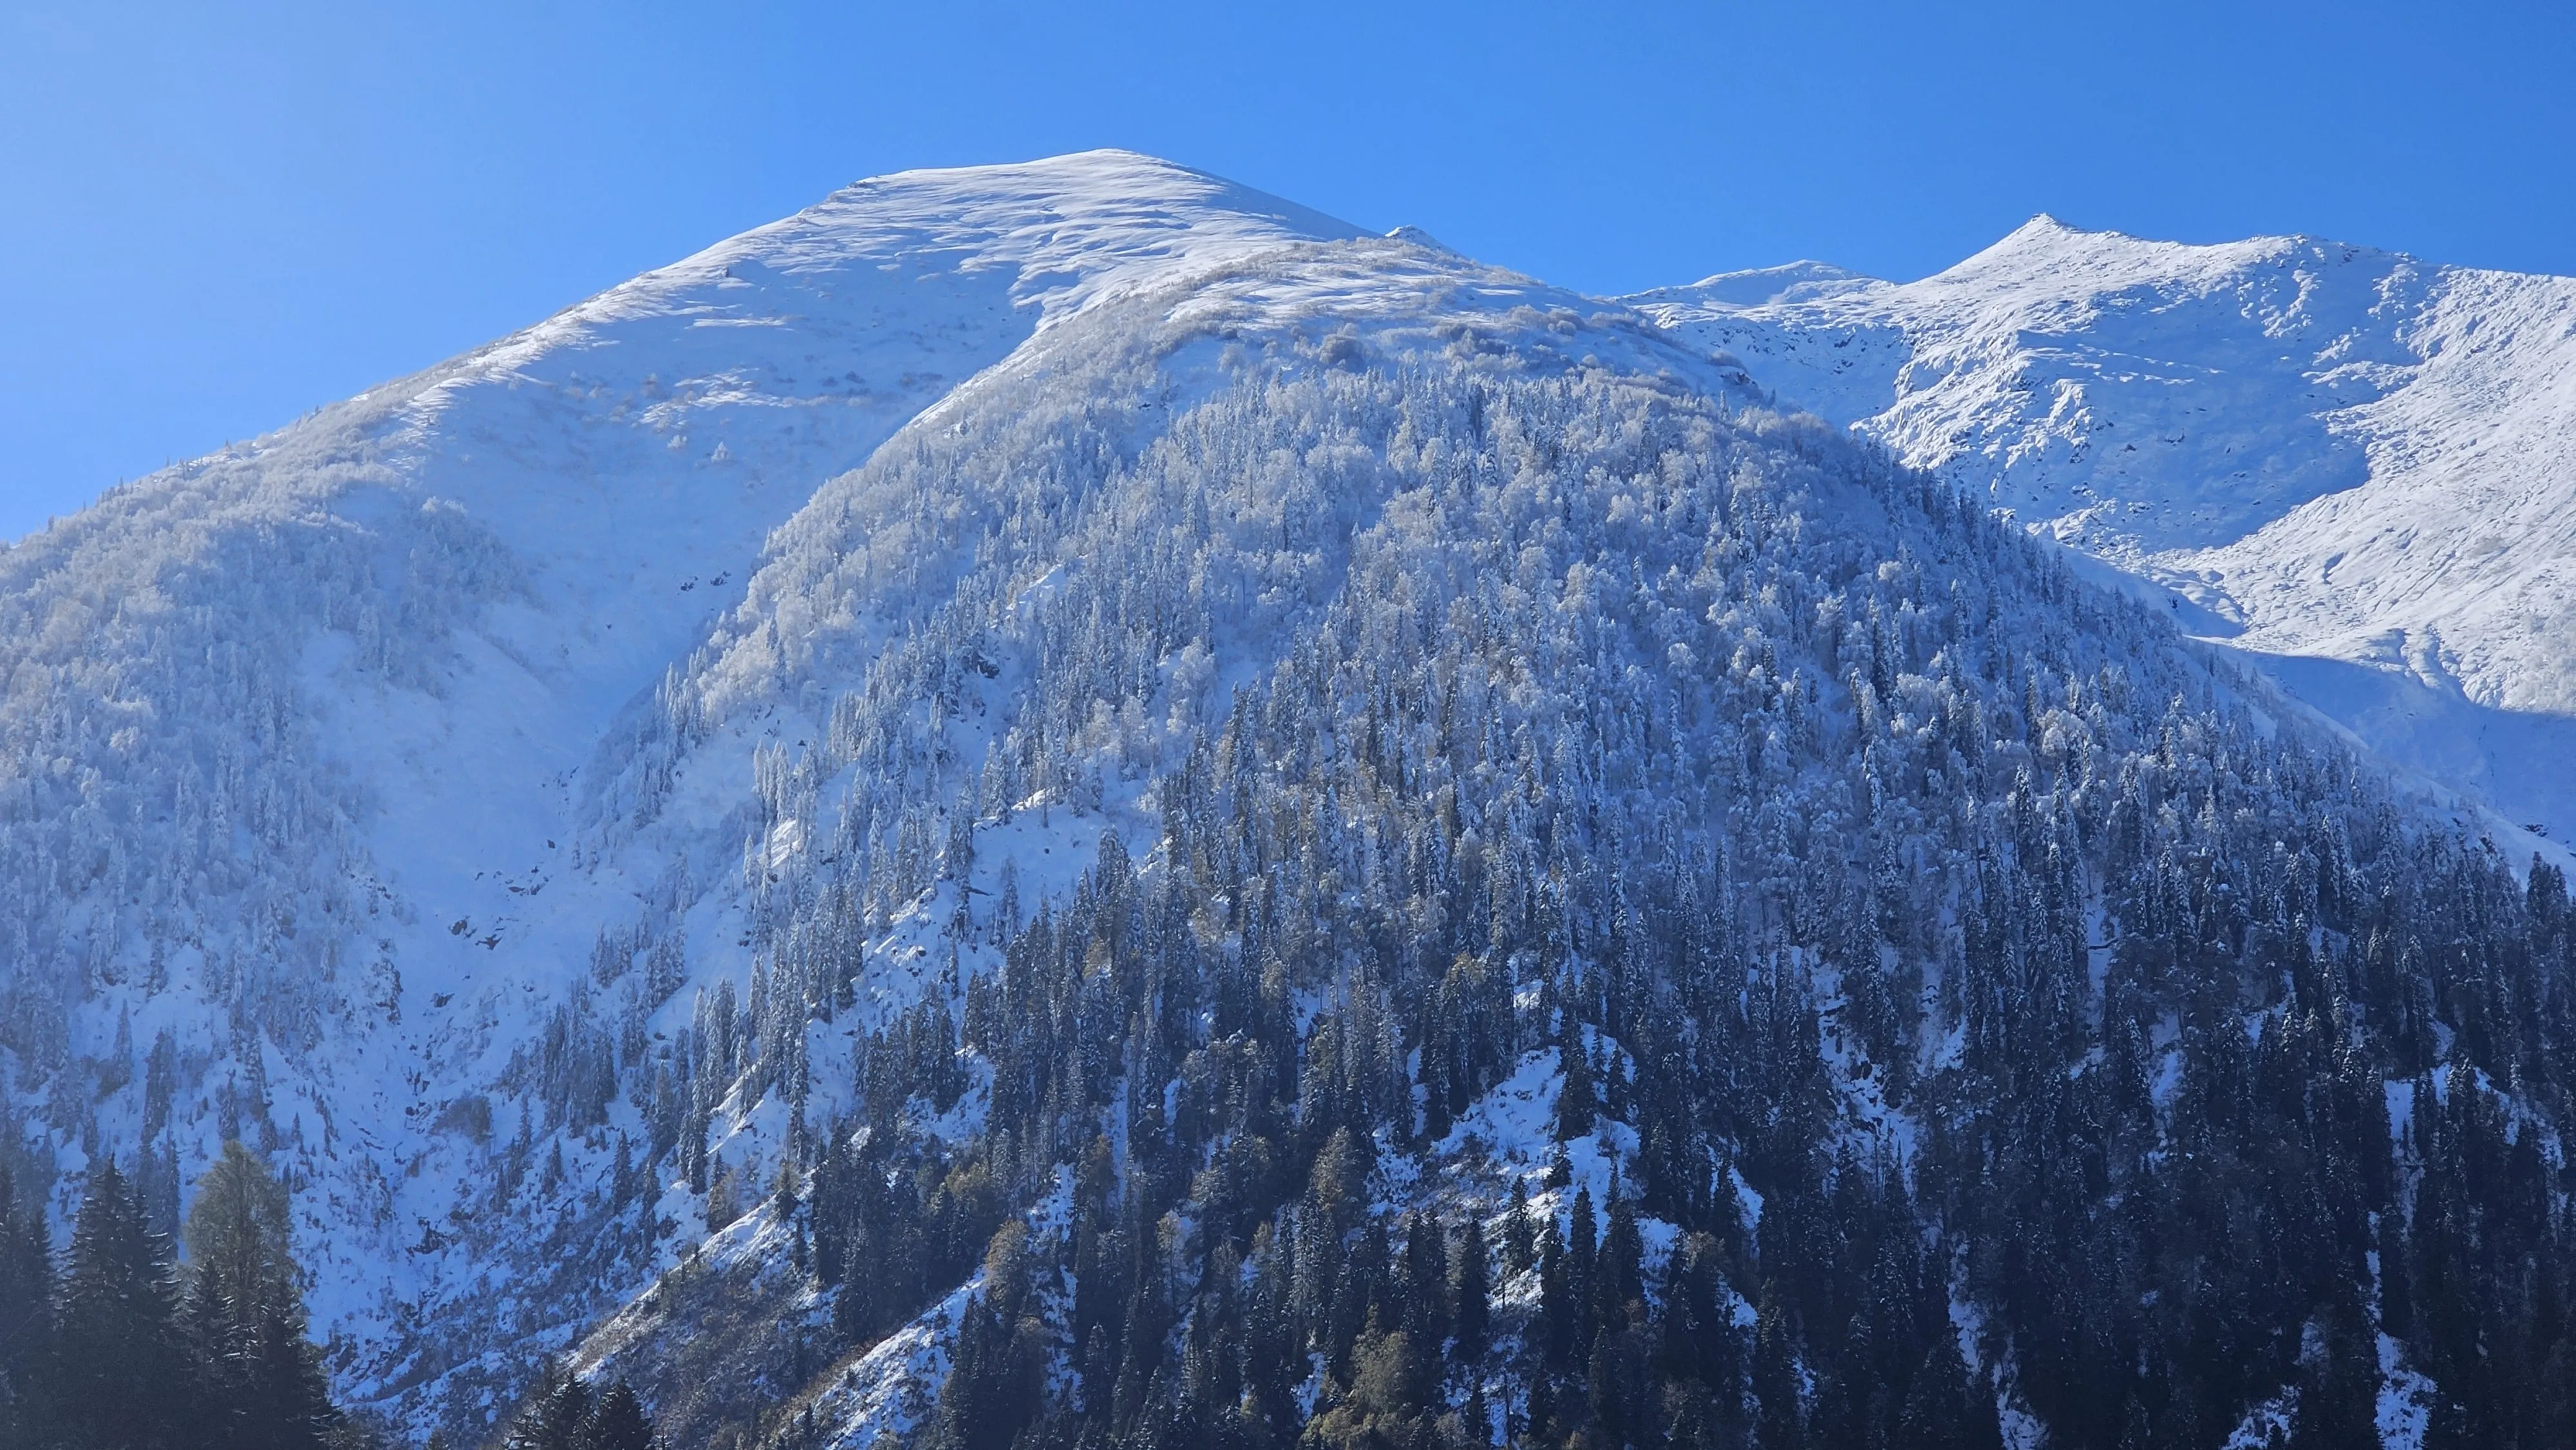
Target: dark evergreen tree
<point>997,1367</point>
<point>26,1321</point>
<point>1945,1408</point>
<point>121,1380</point>
<point>261,1381</point>
<point>618,1422</point>
<point>1470,1293</point>
<point>556,1414</point>
<point>1576,1106</point>
<point>564,1412</point>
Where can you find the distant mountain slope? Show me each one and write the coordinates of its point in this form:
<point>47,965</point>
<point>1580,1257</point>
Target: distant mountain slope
<point>2358,467</point>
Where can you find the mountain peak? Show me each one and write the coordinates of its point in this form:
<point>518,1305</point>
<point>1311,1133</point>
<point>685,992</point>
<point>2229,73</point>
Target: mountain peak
<point>1063,221</point>
<point>1416,236</point>
<point>2045,233</point>
<point>2352,459</point>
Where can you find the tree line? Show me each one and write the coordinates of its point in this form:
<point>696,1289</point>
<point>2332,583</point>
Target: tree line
<point>119,1347</point>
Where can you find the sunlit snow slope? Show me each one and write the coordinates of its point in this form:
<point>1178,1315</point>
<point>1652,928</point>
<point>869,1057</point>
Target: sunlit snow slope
<point>291,755</point>
<point>2357,467</point>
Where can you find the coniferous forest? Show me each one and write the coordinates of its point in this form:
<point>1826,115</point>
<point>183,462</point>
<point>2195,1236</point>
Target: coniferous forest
<point>118,1346</point>
<point>1932,1019</point>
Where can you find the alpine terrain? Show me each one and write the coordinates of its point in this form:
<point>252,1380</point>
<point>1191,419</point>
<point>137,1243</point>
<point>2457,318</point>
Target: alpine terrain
<point>2354,467</point>
<point>1069,805</point>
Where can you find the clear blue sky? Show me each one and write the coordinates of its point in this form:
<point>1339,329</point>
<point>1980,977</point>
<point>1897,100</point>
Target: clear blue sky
<point>214,217</point>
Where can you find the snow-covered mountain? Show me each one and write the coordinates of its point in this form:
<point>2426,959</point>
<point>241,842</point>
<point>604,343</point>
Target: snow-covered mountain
<point>1083,702</point>
<point>2356,467</point>
<point>300,728</point>
<point>325,788</point>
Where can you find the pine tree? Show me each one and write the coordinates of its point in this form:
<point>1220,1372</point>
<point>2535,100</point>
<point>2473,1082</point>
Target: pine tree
<point>1519,1246</point>
<point>2338,1385</point>
<point>120,1378</point>
<point>26,1321</point>
<point>1556,1298</point>
<point>1470,1295</point>
<point>1619,1290</point>
<point>556,1416</point>
<point>1575,1104</point>
<point>244,1309</point>
<point>1781,1422</point>
<point>1582,1274</point>
<point>1945,1409</point>
<point>995,1377</point>
<point>619,1421</point>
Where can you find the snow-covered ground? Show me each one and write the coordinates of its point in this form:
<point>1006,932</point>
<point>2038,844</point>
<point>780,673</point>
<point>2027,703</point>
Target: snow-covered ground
<point>2354,466</point>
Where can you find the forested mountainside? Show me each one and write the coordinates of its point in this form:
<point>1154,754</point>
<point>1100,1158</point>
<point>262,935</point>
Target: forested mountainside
<point>295,734</point>
<point>2353,465</point>
<point>1347,847</point>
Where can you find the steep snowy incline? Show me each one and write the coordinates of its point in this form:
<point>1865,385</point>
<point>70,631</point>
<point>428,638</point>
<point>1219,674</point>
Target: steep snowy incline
<point>2358,467</point>
<point>1215,588</point>
<point>636,450</point>
<point>292,736</point>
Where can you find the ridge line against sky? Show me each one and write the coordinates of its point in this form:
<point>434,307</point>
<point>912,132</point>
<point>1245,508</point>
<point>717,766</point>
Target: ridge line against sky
<point>218,221</point>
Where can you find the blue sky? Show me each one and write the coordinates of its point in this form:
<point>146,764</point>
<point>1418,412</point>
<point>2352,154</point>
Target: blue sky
<point>213,218</point>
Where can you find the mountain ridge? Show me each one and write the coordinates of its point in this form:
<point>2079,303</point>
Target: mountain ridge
<point>2265,429</point>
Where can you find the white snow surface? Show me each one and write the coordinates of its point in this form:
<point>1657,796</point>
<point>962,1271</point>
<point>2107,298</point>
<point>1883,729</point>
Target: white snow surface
<point>2354,466</point>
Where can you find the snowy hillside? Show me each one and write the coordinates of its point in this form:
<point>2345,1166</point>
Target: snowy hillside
<point>298,816</point>
<point>1027,803</point>
<point>319,816</point>
<point>2355,466</point>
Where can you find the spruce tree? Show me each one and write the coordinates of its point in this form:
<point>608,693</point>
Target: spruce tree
<point>244,1310</point>
<point>1777,1391</point>
<point>120,1379</point>
<point>1470,1297</point>
<point>619,1421</point>
<point>1555,1298</point>
<point>1576,1105</point>
<point>1945,1408</point>
<point>26,1320</point>
<point>1520,1248</point>
<point>556,1416</point>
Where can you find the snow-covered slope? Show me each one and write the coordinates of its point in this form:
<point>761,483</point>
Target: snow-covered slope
<point>2357,467</point>
<point>391,770</point>
<point>295,732</point>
